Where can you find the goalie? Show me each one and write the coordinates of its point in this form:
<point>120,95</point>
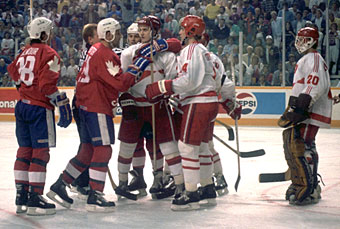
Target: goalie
<point>309,108</point>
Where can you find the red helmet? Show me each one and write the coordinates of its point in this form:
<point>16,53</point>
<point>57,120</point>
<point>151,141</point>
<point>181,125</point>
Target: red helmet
<point>193,25</point>
<point>150,21</point>
<point>205,39</point>
<point>306,38</point>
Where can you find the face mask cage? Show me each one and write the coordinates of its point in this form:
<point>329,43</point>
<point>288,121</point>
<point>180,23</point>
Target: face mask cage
<point>302,44</point>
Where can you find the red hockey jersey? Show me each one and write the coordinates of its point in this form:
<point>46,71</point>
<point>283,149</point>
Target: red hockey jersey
<point>100,79</point>
<point>37,67</point>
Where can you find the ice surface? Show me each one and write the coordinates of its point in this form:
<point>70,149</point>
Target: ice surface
<point>255,205</point>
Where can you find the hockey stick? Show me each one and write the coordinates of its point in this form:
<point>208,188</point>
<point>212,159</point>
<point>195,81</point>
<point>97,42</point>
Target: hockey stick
<point>275,177</point>
<point>229,128</point>
<point>238,157</point>
<point>119,191</point>
<point>254,153</point>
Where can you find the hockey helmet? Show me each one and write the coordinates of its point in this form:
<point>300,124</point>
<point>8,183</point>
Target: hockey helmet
<point>39,25</point>
<point>193,26</point>
<point>107,25</point>
<point>133,29</point>
<point>306,38</point>
<point>150,21</point>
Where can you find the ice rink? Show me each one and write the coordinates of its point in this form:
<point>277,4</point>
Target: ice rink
<point>255,205</point>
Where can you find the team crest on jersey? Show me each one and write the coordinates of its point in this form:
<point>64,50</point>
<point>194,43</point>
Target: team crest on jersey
<point>248,102</point>
<point>113,70</point>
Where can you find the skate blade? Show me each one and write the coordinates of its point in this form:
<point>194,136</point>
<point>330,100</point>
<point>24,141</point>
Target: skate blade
<point>21,209</point>
<point>35,211</point>
<point>208,202</point>
<point>222,192</point>
<point>54,196</point>
<point>142,193</point>
<point>96,208</point>
<point>187,207</point>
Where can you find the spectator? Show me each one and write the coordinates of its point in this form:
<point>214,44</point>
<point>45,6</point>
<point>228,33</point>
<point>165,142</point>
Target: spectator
<point>230,46</point>
<point>56,42</point>
<point>7,45</point>
<point>290,36</point>
<point>222,15</point>
<point>213,45</point>
<point>319,21</point>
<point>278,77</point>
<point>334,46</point>
<point>61,5</point>
<point>171,27</point>
<point>102,9</point>
<point>247,57</point>
<point>262,28</point>
<point>289,16</point>
<point>181,4</point>
<point>210,14</point>
<point>250,31</point>
<point>196,9</point>
<point>179,14</point>
<point>221,32</point>
<point>268,5</point>
<point>276,26</point>
<point>63,69</point>
<point>247,7</point>
<point>290,68</point>
<point>235,17</point>
<point>3,68</point>
<point>271,54</point>
<point>91,15</point>
<point>72,70</point>
<point>333,19</point>
<point>258,51</point>
<point>220,52</point>
<point>335,9</point>
<point>268,76</point>
<point>54,17</point>
<point>65,18</point>
<point>147,6</point>
<point>299,22</point>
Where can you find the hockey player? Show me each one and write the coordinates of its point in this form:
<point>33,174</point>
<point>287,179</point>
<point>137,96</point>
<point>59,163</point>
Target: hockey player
<point>227,90</point>
<point>98,84</point>
<point>309,108</point>
<point>36,70</point>
<point>132,34</point>
<point>196,87</point>
<point>90,36</point>
<point>137,111</point>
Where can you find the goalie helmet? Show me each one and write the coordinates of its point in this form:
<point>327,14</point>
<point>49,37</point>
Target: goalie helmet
<point>306,38</point>
<point>107,25</point>
<point>133,29</point>
<point>193,26</point>
<point>150,21</point>
<point>39,25</point>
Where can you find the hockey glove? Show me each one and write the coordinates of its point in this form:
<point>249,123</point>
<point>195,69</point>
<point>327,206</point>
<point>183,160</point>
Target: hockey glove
<point>128,105</point>
<point>158,90</point>
<point>138,67</point>
<point>233,108</point>
<point>159,45</point>
<point>61,101</point>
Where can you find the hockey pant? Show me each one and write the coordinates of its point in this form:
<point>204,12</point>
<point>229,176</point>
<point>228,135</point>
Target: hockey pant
<point>301,173</point>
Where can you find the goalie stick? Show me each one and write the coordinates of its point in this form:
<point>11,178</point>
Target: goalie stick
<point>254,153</point>
<point>275,177</point>
<point>229,128</point>
<point>119,191</point>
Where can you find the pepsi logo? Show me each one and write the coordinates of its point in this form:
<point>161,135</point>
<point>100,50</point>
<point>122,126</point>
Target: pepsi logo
<point>248,102</point>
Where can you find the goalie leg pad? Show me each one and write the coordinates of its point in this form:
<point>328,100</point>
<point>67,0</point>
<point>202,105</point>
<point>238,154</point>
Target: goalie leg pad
<point>294,149</point>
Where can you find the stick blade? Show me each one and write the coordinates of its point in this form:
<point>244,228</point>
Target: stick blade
<point>254,153</point>
<point>231,134</point>
<point>126,194</point>
<point>237,182</point>
<point>274,177</point>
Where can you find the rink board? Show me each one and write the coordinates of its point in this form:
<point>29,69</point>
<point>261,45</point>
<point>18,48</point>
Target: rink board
<point>262,106</point>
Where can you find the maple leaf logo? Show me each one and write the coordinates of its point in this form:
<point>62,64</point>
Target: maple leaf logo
<point>113,70</point>
<point>54,65</point>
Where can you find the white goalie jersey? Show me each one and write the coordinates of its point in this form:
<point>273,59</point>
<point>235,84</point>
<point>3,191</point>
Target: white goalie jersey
<point>196,82</point>
<point>164,67</point>
<point>311,77</point>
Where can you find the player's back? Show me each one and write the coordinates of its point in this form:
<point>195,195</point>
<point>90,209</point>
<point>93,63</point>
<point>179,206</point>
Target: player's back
<point>37,67</point>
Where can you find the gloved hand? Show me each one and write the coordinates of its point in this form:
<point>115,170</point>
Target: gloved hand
<point>128,105</point>
<point>138,67</point>
<point>159,45</point>
<point>233,108</point>
<point>158,90</point>
<point>61,101</point>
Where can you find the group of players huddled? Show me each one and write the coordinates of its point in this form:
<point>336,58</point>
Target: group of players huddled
<point>176,81</point>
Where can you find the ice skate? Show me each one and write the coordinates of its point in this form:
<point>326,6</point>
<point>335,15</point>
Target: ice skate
<point>122,187</point>
<point>137,183</point>
<point>157,186</point>
<point>37,205</point>
<point>168,190</point>
<point>208,195</point>
<point>97,203</point>
<point>21,199</point>
<point>221,185</point>
<point>187,201</point>
<point>59,194</point>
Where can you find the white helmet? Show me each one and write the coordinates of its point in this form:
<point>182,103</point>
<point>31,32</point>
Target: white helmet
<point>133,29</point>
<point>39,25</point>
<point>107,25</point>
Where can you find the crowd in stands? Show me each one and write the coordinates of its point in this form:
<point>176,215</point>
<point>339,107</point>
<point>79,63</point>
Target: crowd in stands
<point>259,20</point>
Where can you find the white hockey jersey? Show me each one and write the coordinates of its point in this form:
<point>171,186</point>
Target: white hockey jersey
<point>311,77</point>
<point>196,78</point>
<point>227,89</point>
<point>164,67</point>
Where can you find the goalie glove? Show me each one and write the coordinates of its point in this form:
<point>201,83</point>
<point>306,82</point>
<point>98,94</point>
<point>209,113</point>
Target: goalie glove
<point>158,90</point>
<point>138,67</point>
<point>128,105</point>
<point>61,101</point>
<point>297,110</point>
<point>159,45</point>
<point>233,108</point>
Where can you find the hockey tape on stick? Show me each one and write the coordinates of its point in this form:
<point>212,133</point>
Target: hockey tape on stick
<point>229,128</point>
<point>275,177</point>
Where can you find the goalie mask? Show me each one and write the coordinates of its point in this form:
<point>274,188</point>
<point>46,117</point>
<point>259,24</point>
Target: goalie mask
<point>305,39</point>
<point>39,25</point>
<point>107,25</point>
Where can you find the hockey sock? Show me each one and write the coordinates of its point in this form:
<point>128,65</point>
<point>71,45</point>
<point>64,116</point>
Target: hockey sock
<point>37,170</point>
<point>124,159</point>
<point>21,166</point>
<point>138,160</point>
<point>206,167</point>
